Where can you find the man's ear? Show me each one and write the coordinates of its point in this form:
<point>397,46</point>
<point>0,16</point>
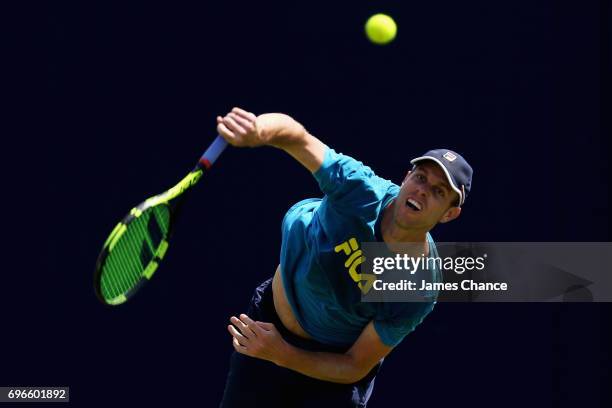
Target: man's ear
<point>450,214</point>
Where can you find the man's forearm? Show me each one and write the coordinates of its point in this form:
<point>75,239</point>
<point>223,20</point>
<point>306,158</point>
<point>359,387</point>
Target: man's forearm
<point>283,132</point>
<point>334,367</point>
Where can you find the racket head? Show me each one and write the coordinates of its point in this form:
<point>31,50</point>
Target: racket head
<point>137,245</point>
<point>133,251</point>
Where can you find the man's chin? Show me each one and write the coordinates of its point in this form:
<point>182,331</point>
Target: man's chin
<point>406,223</point>
<point>411,222</point>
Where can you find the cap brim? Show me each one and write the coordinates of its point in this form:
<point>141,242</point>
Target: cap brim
<point>448,176</point>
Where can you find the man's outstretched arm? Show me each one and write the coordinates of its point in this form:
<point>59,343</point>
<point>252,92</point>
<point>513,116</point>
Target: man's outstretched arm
<point>243,129</point>
<point>262,340</point>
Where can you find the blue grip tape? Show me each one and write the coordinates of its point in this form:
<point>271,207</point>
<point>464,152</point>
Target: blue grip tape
<point>214,150</point>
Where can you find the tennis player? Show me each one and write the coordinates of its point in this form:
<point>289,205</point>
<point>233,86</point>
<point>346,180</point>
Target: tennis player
<point>307,339</point>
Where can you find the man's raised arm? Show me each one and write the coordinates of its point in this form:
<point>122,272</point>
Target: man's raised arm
<point>243,129</point>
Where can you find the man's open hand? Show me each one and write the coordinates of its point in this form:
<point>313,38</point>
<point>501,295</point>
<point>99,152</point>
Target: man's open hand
<point>257,339</point>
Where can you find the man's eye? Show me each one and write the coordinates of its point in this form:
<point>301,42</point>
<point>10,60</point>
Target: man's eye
<point>440,192</point>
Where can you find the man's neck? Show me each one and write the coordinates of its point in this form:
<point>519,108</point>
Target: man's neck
<point>394,234</point>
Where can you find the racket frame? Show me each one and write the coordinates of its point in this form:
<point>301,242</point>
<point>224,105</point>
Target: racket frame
<point>172,198</point>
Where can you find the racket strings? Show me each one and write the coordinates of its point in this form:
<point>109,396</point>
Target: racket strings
<point>123,269</point>
<point>133,252</point>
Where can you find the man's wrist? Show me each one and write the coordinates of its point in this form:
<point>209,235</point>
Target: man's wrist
<point>285,355</point>
<point>280,130</point>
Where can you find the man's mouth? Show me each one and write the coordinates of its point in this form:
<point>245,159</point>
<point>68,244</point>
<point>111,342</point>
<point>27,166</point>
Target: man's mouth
<point>413,204</point>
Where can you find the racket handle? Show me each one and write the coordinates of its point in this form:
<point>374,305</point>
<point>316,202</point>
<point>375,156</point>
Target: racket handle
<point>213,152</point>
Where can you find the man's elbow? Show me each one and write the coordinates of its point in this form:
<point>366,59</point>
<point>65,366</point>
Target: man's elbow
<point>357,373</point>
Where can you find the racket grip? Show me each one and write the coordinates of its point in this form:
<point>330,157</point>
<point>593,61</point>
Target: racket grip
<point>213,152</point>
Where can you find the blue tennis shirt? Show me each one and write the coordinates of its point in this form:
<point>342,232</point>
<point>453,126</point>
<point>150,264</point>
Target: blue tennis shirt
<point>318,237</point>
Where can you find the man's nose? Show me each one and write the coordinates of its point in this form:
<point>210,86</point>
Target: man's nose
<point>422,191</point>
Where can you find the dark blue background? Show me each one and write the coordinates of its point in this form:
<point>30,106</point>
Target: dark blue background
<point>129,96</point>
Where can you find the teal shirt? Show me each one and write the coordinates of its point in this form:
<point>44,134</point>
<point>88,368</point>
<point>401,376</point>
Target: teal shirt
<point>325,299</point>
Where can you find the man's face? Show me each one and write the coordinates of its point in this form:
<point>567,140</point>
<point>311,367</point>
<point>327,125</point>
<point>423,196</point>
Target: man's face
<point>425,198</point>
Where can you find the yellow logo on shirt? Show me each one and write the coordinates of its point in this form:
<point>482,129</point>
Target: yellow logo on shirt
<point>356,258</point>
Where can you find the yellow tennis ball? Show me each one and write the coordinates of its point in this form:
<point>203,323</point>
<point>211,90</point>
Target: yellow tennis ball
<point>380,29</point>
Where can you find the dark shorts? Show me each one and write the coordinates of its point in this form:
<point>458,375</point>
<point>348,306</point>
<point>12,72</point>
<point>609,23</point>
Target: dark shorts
<point>252,382</point>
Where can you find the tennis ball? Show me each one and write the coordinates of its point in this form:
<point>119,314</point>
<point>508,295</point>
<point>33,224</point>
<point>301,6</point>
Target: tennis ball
<point>380,29</point>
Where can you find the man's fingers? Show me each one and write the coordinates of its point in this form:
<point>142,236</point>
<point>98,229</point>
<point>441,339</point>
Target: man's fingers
<point>245,123</point>
<point>265,325</point>
<point>244,329</point>
<point>250,323</point>
<point>233,125</point>
<point>238,347</point>
<point>244,114</point>
<point>237,335</point>
<point>226,133</point>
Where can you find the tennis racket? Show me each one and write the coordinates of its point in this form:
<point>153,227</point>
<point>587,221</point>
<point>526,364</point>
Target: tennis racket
<point>136,246</point>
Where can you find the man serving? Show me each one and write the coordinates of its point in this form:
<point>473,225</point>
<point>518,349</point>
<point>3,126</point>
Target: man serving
<point>307,338</point>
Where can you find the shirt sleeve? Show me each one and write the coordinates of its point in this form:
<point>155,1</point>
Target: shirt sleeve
<point>350,186</point>
<point>393,330</point>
